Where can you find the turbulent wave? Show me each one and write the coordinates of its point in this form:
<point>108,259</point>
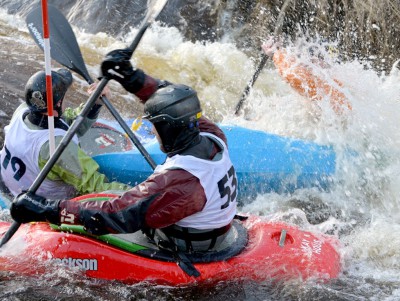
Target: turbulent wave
<point>362,209</point>
<point>363,29</point>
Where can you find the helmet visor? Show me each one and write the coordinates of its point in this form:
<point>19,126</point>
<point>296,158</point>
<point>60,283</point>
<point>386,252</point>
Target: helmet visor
<point>179,121</point>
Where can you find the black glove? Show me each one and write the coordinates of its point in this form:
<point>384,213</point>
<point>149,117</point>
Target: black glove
<point>29,207</point>
<point>117,66</point>
<point>95,224</point>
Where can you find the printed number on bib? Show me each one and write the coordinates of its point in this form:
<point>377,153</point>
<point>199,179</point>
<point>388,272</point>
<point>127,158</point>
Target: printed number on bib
<point>227,187</point>
<point>15,162</point>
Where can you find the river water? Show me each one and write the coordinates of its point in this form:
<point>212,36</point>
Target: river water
<point>361,209</point>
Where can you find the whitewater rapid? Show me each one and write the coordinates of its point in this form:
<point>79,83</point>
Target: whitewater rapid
<point>362,209</point>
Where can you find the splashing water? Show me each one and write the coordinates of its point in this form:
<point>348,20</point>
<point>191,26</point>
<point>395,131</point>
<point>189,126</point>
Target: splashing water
<point>362,208</point>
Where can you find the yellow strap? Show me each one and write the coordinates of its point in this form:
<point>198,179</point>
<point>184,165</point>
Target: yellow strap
<point>136,124</point>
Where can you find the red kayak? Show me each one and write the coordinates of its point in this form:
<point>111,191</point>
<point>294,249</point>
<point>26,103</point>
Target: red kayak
<point>258,250</point>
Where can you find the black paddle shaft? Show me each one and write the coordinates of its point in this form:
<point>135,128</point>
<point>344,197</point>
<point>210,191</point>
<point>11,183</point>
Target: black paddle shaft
<point>53,159</point>
<point>65,50</point>
<point>66,61</point>
<point>246,91</point>
<point>264,57</point>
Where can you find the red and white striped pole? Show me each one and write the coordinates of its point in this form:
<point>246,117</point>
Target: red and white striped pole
<point>49,86</point>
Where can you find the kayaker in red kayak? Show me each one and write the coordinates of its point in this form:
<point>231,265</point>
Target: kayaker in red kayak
<point>302,78</point>
<point>188,202</point>
<point>26,147</point>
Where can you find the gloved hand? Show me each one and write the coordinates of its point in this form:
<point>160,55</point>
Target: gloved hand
<point>95,225</point>
<point>28,207</point>
<point>106,92</point>
<point>271,46</point>
<point>117,66</point>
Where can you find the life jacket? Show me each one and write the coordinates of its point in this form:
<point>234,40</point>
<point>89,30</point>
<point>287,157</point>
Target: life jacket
<point>204,230</point>
<point>20,159</point>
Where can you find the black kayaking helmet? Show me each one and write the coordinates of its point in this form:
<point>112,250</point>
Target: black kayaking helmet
<point>174,111</point>
<point>36,94</point>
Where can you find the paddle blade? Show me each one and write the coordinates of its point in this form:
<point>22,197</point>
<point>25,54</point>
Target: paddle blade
<point>64,47</point>
<point>155,7</point>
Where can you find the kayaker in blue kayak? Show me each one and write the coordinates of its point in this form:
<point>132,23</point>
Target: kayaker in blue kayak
<point>189,201</point>
<point>26,147</point>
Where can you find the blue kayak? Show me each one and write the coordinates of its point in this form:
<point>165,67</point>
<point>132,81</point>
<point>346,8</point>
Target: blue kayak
<point>263,162</point>
<point>4,201</point>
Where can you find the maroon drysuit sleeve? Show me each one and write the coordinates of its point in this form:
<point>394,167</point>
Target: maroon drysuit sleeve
<point>161,200</point>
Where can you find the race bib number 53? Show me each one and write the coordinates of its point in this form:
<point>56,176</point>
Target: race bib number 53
<point>228,186</point>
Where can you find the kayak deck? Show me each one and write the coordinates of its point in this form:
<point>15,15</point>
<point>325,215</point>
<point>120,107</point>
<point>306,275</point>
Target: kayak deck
<point>139,244</point>
<point>274,251</point>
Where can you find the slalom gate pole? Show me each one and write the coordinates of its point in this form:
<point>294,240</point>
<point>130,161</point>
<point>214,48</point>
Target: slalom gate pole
<point>49,85</point>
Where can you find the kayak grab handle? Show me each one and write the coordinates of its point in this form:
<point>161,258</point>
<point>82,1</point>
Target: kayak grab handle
<point>282,238</point>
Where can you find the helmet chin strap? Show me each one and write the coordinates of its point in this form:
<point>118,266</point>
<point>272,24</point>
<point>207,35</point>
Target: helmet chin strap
<point>185,139</point>
<point>41,120</point>
<point>58,108</point>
